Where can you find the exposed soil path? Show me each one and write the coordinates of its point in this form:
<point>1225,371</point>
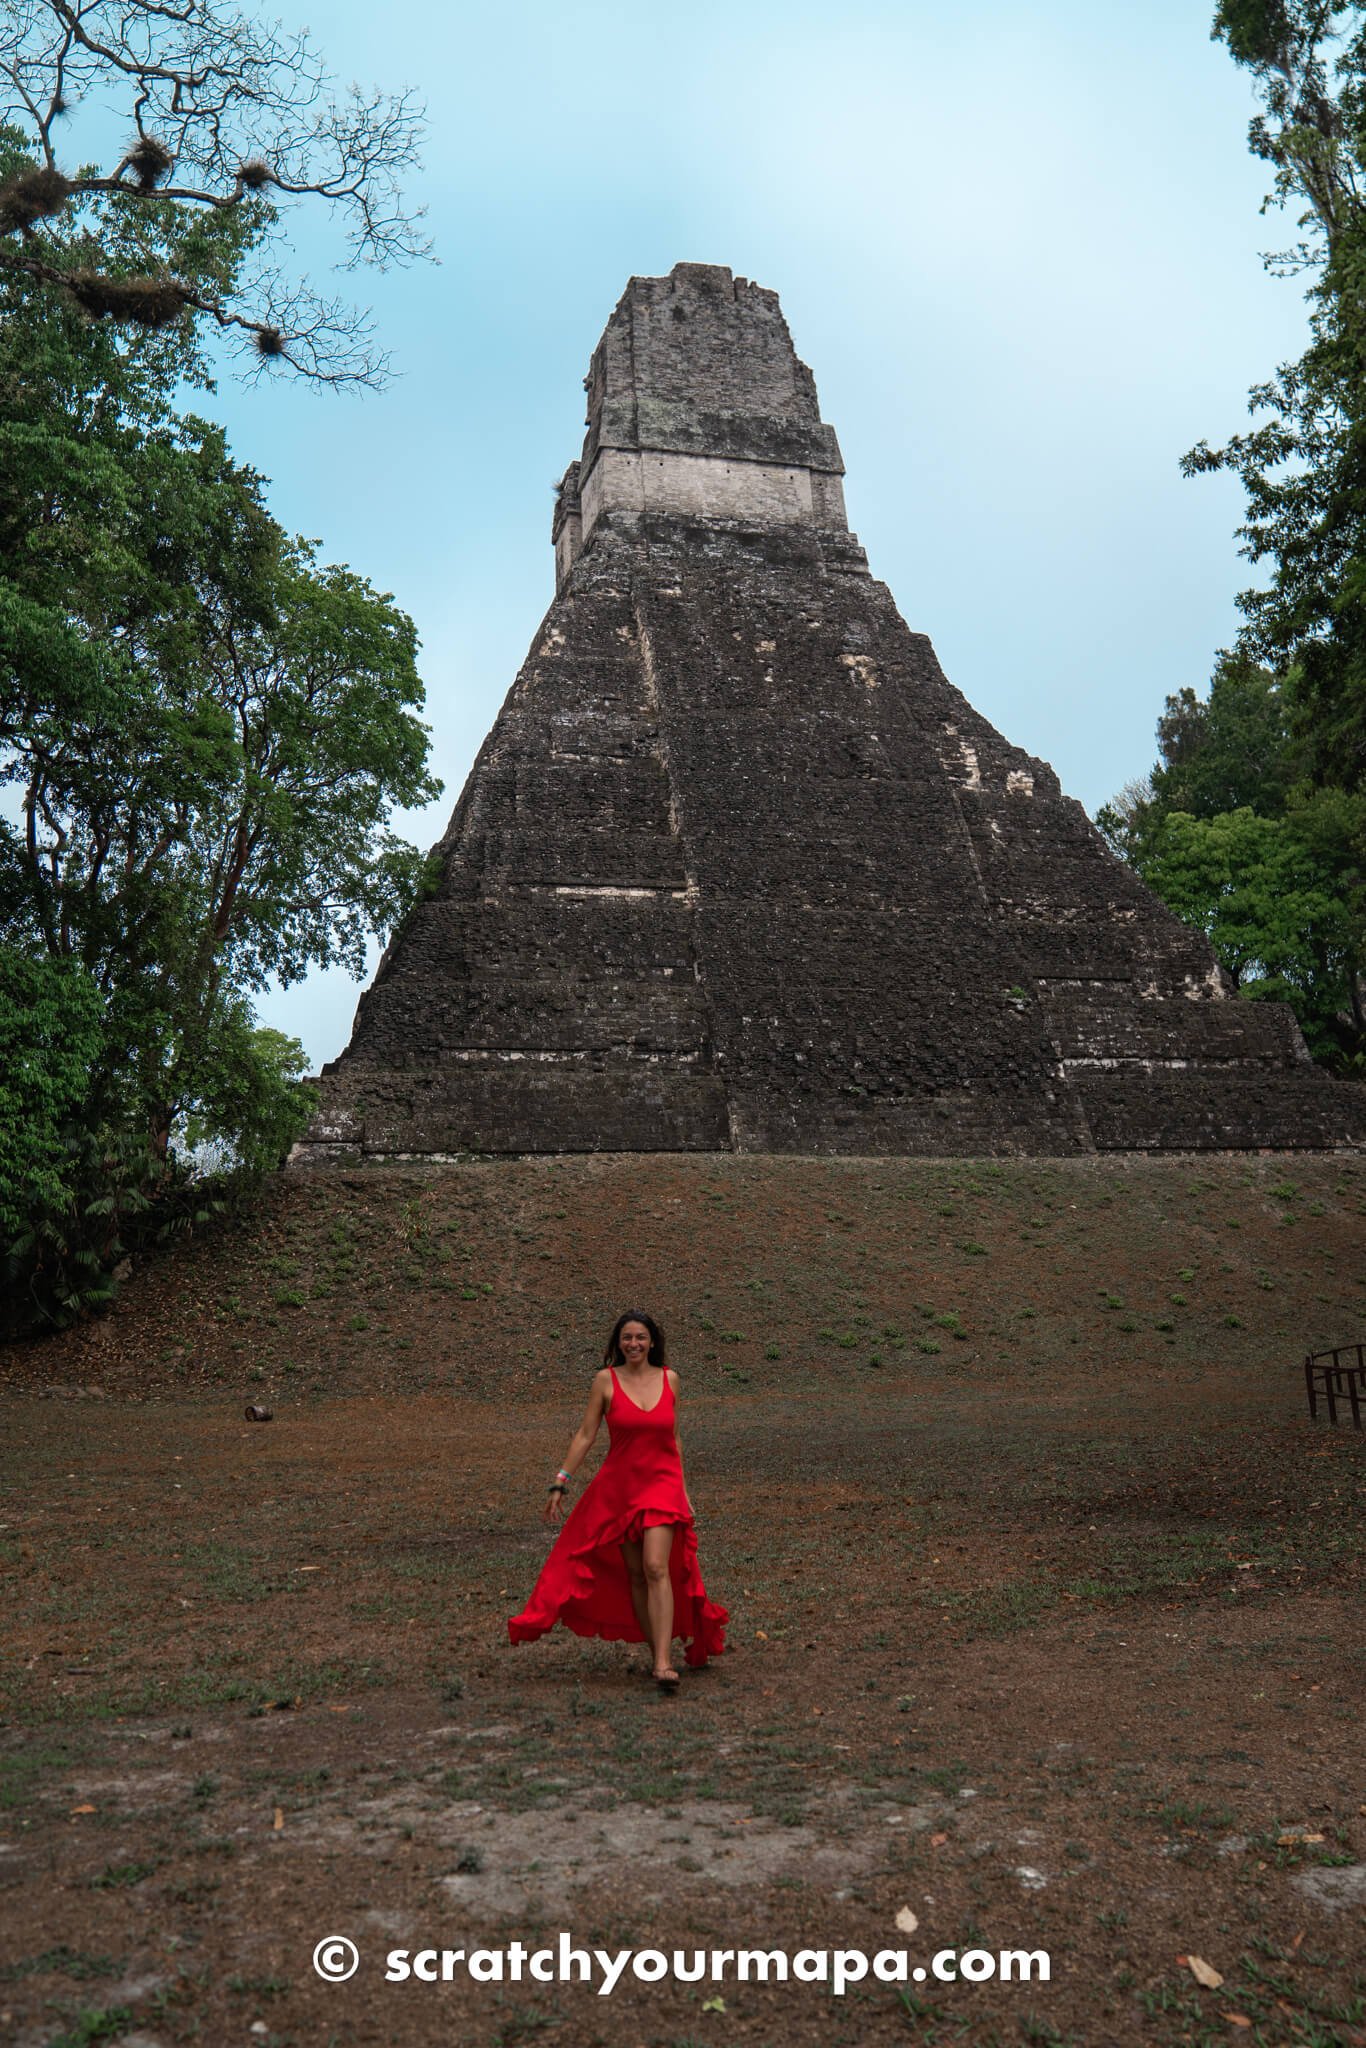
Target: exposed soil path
<point>1047,1625</point>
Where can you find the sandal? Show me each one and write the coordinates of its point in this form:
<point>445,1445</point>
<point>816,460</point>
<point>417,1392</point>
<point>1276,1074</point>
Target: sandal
<point>667,1681</point>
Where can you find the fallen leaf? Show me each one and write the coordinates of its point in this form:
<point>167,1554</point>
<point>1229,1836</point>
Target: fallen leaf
<point>1298,1938</point>
<point>338,1710</point>
<point>1203,1973</point>
<point>82,1809</point>
<point>713,2005</point>
<point>762,1634</point>
<point>906,1921</point>
<point>279,1820</point>
<point>1236,2019</point>
<point>938,1841</point>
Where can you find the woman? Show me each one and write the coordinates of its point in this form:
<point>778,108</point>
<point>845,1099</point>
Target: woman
<point>624,1566</point>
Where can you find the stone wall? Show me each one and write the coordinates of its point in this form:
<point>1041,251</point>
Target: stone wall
<point>699,406</point>
<point>637,482</point>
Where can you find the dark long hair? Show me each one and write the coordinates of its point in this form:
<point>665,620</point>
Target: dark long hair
<point>613,1354</point>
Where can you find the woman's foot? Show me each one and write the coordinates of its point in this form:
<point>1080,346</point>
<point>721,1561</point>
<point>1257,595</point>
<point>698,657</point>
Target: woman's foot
<point>666,1678</point>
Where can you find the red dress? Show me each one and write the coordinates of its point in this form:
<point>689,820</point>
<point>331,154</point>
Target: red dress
<point>639,1486</point>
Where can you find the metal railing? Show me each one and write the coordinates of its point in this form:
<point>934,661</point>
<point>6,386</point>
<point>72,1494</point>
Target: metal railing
<point>1336,1375</point>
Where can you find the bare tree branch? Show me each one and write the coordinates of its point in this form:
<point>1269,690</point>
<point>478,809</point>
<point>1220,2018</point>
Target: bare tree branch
<point>223,109</point>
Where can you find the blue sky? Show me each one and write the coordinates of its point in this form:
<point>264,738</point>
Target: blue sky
<point>1020,249</point>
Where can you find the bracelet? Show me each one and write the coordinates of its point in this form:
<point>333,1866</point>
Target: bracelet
<point>562,1474</point>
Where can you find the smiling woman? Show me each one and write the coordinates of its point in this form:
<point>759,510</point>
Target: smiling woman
<point>624,1566</point>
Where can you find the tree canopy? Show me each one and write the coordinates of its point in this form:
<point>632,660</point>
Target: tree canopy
<point>1235,839</point>
<point>1303,467</point>
<point>1252,823</point>
<point>205,730</point>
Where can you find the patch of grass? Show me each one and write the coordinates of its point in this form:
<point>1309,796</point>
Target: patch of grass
<point>949,1778</point>
<point>226,1572</point>
<point>1181,2019</point>
<point>999,1610</point>
<point>90,2026</point>
<point>122,1876</point>
<point>21,1772</point>
<point>1174,1815</point>
<point>1284,1849</point>
<point>60,1962</point>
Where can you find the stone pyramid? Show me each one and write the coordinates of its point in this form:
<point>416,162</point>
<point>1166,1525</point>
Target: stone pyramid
<point>738,869</point>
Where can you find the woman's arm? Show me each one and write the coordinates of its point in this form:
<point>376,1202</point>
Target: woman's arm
<point>582,1441</point>
<point>678,1438</point>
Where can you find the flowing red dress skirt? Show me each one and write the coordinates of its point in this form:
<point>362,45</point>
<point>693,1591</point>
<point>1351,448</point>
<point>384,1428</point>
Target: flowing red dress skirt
<point>639,1486</point>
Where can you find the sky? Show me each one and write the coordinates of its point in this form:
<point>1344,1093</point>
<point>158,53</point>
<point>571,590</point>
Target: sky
<point>1020,248</point>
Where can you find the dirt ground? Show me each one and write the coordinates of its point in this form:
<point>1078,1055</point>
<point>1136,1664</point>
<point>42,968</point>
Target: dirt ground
<point>1047,1628</point>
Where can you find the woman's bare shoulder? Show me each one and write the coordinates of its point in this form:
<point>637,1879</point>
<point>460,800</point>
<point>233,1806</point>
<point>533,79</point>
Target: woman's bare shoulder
<point>672,1377</point>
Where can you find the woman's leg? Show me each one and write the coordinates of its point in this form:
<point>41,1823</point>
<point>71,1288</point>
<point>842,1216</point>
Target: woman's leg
<point>656,1550</point>
<point>635,1579</point>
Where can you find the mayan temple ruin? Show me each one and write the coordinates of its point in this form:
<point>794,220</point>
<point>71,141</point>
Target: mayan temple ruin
<point>738,869</point>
